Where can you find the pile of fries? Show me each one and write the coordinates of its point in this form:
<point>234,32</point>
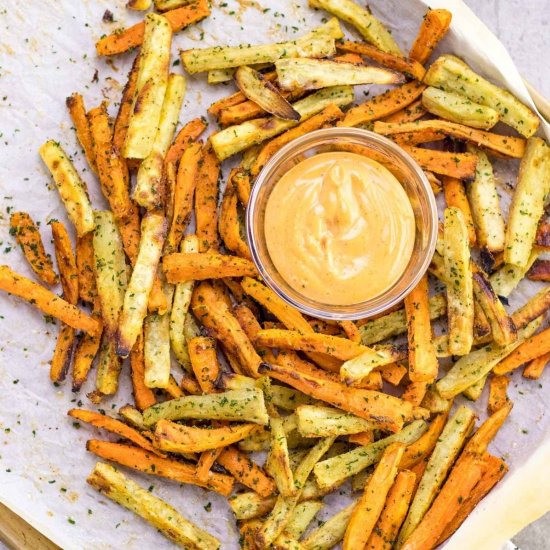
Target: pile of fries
<point>220,366</point>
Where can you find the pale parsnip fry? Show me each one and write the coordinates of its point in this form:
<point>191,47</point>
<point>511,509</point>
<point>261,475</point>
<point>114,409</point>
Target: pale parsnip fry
<point>458,108</point>
<point>446,451</point>
<point>153,230</point>
<point>258,89</point>
<point>507,278</point>
<point>180,307</point>
<point>66,261</point>
<point>150,90</point>
<point>77,110</point>
<point>235,139</point>
<point>371,29</point>
<point>71,188</point>
<point>139,5</point>
<point>109,365</point>
<point>423,365</point>
<point>460,293</point>
<point>331,532</point>
<point>317,43</point>
<point>166,5</point>
<point>319,421</point>
<point>301,518</point>
<point>234,405</point>
<point>527,202</point>
<point>132,417</point>
<point>312,74</point>
<point>277,463</point>
<point>453,75</point>
<point>114,485</point>
<point>148,191</point>
<point>433,28</point>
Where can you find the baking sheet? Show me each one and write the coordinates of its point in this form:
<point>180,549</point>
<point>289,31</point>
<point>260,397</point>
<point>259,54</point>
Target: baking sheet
<point>46,52</point>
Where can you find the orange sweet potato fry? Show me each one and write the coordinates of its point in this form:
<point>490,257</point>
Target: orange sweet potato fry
<point>66,262</point>
<point>351,330</point>
<point>385,104</point>
<point>188,134</point>
<point>418,137</point>
<point>189,384</point>
<point>26,233</point>
<point>61,359</point>
<point>246,472</point>
<point>533,347</point>
<point>124,40</point>
<point>412,112</point>
<point>47,301</point>
<point>478,443</point>
<point>540,271</point>
<point>149,463</point>
<point>206,200</point>
<point>434,27</point>
<point>409,67</point>
<point>393,513</point>
<point>497,393</point>
<point>393,373</point>
<point>536,367</point>
<point>205,462</point>
<point>125,108</point>
<point>369,507</point>
<point>362,438</point>
<point>77,111</point>
<point>143,396</point>
<point>456,165</point>
<point>87,289</point>
<point>130,232</point>
<point>204,361</point>
<point>455,195</point>
<point>414,392</point>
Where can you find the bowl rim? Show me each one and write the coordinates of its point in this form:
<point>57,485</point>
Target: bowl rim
<point>326,311</point>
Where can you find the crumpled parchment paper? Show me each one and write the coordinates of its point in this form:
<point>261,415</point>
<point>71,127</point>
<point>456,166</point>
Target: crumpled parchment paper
<point>46,53</point>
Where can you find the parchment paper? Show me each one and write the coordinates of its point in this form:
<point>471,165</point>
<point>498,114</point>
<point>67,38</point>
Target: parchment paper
<point>46,53</point>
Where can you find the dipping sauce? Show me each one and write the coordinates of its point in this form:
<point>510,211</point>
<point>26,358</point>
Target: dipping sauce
<point>339,228</point>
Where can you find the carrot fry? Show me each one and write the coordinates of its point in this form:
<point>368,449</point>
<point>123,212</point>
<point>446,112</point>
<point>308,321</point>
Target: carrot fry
<point>144,461</point>
<point>229,224</point>
<point>536,367</point>
<point>112,425</point>
<point>393,373</point>
<point>46,301</point>
<point>246,472</point>
<point>385,104</point>
<point>177,438</point>
<point>540,271</point>
<point>66,262</point>
<point>423,364</point>
<point>28,238</point>
<point>205,462</point>
<point>125,109</point>
<point>124,40</point>
<point>497,393</point>
<point>384,410</point>
<point>409,114</point>
<point>495,469</point>
<point>77,111</point>
<point>85,268</point>
<point>456,165</point>
<point>186,136</point>
<point>434,27</point>
<point>369,507</point>
<point>143,396</point>
<point>183,195</point>
<point>204,360</point>
<point>533,347</point>
<point>513,147</point>
<point>61,359</point>
<point>408,67</point>
<point>393,514</point>
<point>206,200</point>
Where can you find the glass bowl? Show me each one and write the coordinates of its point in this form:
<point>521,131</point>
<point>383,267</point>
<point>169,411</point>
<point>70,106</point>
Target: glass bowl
<point>397,161</point>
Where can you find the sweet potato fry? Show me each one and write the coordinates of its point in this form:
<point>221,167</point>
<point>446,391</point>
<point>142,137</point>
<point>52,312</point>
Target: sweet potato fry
<point>177,438</point>
<point>369,507</point>
<point>329,115</point>
<point>532,309</point>
<point>540,271</point>
<point>412,112</point>
<point>433,28</point>
<point>87,289</point>
<point>122,41</point>
<point>497,393</point>
<point>180,266</point>
<point>61,359</point>
<point>512,147</point>
<point>409,67</point>
<point>217,317</point>
<point>185,137</point>
<point>143,396</point>
<point>77,112</point>
<point>149,463</point>
<point>47,301</point>
<point>456,165</point>
<point>112,425</point>
<point>494,470</point>
<point>385,104</point>
<point>414,392</point>
<point>28,237</point>
<point>533,347</point>
<point>245,471</point>
<point>172,388</point>
<point>125,108</point>
<point>393,373</point>
<point>66,262</point>
<point>351,330</point>
<point>455,195</point>
<point>478,443</point>
<point>206,200</point>
<point>204,361</point>
<point>384,410</point>
<point>536,367</point>
<point>395,509</point>
<point>423,364</point>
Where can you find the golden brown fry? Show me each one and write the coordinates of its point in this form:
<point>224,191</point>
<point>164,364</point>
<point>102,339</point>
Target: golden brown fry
<point>66,261</point>
<point>28,237</point>
<point>85,268</point>
<point>540,271</point>
<point>204,361</point>
<point>497,393</point>
<point>77,111</point>
<point>61,359</point>
<point>125,109</point>
<point>414,392</point>
<point>542,238</point>
<point>433,28</point>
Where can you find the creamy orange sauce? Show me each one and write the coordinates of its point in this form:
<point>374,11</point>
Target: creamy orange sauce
<point>339,228</point>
